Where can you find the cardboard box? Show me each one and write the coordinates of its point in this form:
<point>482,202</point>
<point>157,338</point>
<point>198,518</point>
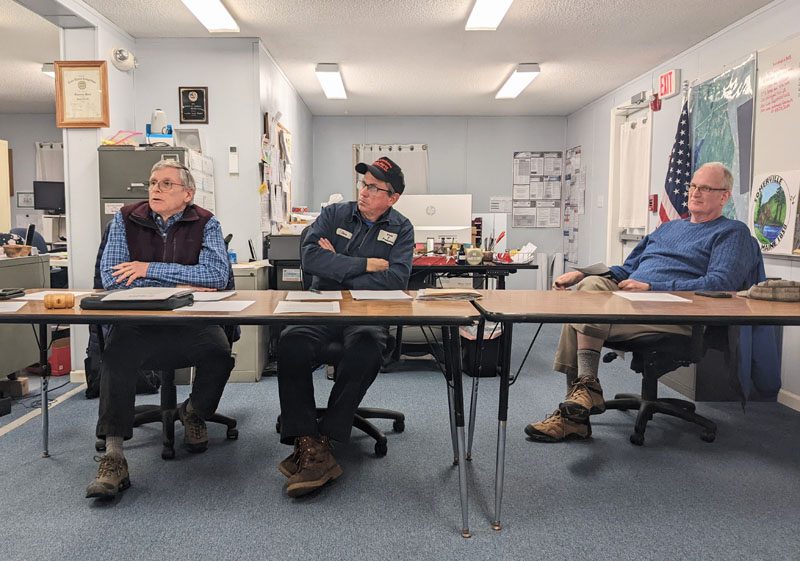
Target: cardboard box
<point>60,362</point>
<point>14,388</point>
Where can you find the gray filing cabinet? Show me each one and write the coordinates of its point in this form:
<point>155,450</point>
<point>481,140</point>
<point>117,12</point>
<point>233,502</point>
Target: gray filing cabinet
<point>18,347</point>
<point>125,173</point>
<point>283,252</point>
<point>251,349</point>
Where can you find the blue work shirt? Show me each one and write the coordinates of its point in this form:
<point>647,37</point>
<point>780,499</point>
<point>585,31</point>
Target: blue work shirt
<point>391,237</point>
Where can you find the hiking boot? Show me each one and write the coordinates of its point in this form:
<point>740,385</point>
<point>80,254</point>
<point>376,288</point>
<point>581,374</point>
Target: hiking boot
<point>195,435</point>
<point>315,466</point>
<point>585,398</point>
<point>288,466</point>
<point>112,477</point>
<point>556,428</point>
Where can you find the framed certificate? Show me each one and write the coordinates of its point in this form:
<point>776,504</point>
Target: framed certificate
<point>193,105</point>
<point>81,94</point>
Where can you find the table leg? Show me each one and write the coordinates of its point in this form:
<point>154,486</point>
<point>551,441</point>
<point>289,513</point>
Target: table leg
<point>452,355</point>
<point>502,419</point>
<point>476,376</point>
<point>45,367</point>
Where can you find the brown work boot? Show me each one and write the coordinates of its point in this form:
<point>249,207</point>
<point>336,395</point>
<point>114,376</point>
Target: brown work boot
<point>288,466</point>
<point>583,399</point>
<point>315,466</point>
<point>195,433</point>
<point>556,428</point>
<point>112,477</point>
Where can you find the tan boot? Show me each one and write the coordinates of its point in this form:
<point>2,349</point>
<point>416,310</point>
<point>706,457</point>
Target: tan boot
<point>584,398</point>
<point>315,466</point>
<point>195,433</point>
<point>288,466</point>
<point>556,428</point>
<point>112,477</point>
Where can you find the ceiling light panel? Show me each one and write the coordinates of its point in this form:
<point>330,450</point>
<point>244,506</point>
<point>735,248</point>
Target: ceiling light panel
<point>518,81</point>
<point>213,15</point>
<point>487,14</point>
<point>331,81</point>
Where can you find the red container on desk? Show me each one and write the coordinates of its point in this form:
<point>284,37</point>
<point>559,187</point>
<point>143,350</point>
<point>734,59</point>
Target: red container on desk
<point>60,360</point>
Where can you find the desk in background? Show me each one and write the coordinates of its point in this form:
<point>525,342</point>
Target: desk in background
<point>425,269</point>
<point>569,306</point>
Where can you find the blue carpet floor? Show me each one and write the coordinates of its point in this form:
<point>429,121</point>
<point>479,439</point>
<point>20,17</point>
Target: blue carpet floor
<point>675,498</point>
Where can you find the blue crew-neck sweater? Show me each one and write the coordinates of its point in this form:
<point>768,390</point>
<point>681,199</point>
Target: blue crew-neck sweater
<point>681,255</point>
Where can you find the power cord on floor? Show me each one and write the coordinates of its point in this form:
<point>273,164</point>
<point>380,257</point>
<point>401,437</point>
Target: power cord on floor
<point>38,403</point>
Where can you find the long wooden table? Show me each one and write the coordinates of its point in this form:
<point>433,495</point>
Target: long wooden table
<point>534,306</point>
<point>448,315</point>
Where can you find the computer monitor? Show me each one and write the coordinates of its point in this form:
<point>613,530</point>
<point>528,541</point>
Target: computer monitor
<point>438,216</point>
<point>49,196</point>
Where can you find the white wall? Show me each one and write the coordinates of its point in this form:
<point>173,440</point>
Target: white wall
<point>22,131</point>
<point>589,127</point>
<point>465,155</point>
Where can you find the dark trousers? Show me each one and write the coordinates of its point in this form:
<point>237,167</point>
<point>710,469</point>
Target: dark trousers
<point>130,348</point>
<point>299,353</point>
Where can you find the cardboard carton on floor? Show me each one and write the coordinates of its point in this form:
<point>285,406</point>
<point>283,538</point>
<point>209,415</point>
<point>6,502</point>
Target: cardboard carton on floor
<point>14,388</point>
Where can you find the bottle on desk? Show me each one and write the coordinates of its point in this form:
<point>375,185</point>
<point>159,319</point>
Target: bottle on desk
<point>461,259</point>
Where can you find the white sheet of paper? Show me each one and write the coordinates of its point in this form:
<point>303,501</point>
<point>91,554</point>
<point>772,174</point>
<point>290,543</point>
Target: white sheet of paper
<point>650,297</point>
<point>41,295</point>
<point>212,296</point>
<point>11,306</point>
<point>285,307</point>
<point>379,295</point>
<point>299,295</point>
<point>221,306</point>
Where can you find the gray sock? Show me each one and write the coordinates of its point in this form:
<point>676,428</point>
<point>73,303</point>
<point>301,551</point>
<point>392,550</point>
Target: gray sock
<point>588,363</point>
<point>114,446</point>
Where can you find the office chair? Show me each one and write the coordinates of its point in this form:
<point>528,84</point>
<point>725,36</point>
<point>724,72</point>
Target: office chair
<point>653,356</point>
<point>330,355</point>
<point>660,353</point>
<point>166,412</point>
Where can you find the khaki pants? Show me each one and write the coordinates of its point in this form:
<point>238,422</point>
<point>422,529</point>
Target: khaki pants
<point>567,354</point>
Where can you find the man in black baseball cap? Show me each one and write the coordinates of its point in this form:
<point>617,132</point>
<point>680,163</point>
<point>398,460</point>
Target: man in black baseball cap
<point>386,170</point>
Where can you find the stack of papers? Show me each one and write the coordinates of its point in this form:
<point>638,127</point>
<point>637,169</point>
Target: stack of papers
<point>41,295</point>
<point>379,295</point>
<point>650,296</point>
<point>299,295</point>
<point>144,294</point>
<point>285,307</point>
<point>213,296</point>
<point>448,294</point>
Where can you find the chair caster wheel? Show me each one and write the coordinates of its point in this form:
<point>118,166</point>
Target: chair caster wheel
<point>100,445</point>
<point>232,434</point>
<point>381,449</point>
<point>708,436</point>
<point>637,439</point>
<point>167,453</point>
<point>399,426</point>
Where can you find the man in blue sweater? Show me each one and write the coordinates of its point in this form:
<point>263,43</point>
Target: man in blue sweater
<point>365,245</point>
<point>704,252</point>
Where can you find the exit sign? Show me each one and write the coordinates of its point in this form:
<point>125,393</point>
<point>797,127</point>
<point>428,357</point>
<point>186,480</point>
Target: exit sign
<point>668,83</point>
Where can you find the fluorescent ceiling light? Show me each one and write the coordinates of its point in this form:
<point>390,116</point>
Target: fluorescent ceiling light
<point>213,15</point>
<point>331,81</point>
<point>487,14</point>
<point>518,81</point>
<point>49,69</point>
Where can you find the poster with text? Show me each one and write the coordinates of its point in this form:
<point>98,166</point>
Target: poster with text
<point>773,212</point>
<point>536,192</point>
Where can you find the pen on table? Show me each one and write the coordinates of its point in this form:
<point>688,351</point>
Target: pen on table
<point>315,291</point>
<point>500,237</point>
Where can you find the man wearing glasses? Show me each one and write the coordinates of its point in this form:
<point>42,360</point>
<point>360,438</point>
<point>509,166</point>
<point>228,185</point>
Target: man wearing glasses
<point>703,252</point>
<point>365,245</point>
<point>164,241</point>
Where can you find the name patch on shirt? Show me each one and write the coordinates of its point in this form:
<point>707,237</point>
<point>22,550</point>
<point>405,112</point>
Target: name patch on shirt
<point>344,233</point>
<point>387,237</point>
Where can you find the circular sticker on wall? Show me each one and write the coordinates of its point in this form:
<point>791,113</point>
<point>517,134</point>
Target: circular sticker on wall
<point>770,211</point>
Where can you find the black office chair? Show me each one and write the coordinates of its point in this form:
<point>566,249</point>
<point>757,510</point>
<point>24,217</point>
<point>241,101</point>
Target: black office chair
<point>653,356</point>
<point>166,412</point>
<point>330,356</point>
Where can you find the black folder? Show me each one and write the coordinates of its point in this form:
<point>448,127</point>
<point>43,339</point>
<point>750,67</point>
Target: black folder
<point>96,302</point>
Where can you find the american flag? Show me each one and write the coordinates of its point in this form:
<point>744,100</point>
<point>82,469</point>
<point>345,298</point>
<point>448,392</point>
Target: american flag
<point>675,203</point>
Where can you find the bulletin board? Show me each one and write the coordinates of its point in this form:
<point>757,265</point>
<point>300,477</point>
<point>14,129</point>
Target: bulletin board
<point>536,192</point>
<point>773,213</point>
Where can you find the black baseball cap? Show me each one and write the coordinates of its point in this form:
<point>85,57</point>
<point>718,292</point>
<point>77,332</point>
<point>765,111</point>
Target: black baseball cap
<point>386,170</point>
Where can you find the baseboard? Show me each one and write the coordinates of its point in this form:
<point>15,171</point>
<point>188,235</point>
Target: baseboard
<point>789,399</point>
<point>77,376</point>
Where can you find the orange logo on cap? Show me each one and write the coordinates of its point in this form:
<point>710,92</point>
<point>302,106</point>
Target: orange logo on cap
<point>383,164</point>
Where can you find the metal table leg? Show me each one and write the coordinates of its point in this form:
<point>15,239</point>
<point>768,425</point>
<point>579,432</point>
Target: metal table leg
<point>45,367</point>
<point>502,419</point>
<point>476,376</point>
<point>452,355</point>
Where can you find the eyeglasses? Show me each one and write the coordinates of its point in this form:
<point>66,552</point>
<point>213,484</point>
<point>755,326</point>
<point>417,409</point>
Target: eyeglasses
<point>702,188</point>
<point>373,189</point>
<point>164,186</point>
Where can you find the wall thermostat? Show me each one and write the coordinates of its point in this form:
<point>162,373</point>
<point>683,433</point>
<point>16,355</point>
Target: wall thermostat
<point>233,160</point>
